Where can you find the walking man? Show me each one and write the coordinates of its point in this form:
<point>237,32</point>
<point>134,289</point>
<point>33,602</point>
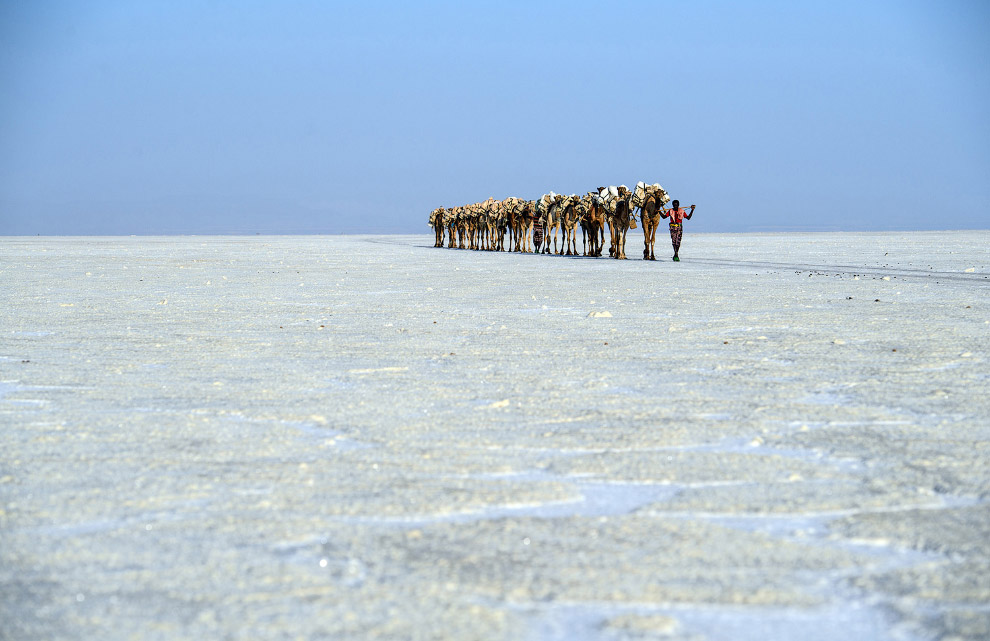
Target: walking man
<point>676,215</point>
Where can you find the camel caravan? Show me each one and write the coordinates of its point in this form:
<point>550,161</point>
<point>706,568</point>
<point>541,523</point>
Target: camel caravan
<point>529,224</point>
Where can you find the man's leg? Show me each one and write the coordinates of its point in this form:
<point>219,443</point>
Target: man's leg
<point>675,239</point>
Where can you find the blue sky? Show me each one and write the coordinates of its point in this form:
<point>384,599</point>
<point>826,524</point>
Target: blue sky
<point>323,117</point>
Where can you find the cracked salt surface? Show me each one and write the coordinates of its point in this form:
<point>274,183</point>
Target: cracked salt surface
<point>427,443</point>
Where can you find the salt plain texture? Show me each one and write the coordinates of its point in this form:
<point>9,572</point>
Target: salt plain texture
<point>783,436</point>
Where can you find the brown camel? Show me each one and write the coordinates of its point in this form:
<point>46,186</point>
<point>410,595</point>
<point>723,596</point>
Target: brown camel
<point>620,221</point>
<point>650,216</point>
<point>524,224</point>
<point>450,222</point>
<point>593,224</point>
<point>506,224</point>
<point>551,223</point>
<point>436,222</point>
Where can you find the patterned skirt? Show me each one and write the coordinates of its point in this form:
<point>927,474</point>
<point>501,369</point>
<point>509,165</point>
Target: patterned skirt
<point>675,235</point>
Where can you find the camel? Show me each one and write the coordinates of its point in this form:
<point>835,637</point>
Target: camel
<point>620,218</point>
<point>477,222</point>
<point>463,225</point>
<point>650,200</point>
<point>550,219</point>
<point>487,213</point>
<point>542,207</point>
<point>450,222</point>
<point>510,212</point>
<point>649,215</point>
<point>436,222</point>
<point>593,224</point>
<point>496,218</point>
<point>571,213</point>
<point>506,222</point>
<point>465,230</point>
<point>520,214</point>
<point>524,221</point>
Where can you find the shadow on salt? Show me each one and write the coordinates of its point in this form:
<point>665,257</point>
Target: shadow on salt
<point>11,387</point>
<point>826,398</point>
<point>596,499</point>
<point>811,528</point>
<point>328,436</point>
<point>839,620</point>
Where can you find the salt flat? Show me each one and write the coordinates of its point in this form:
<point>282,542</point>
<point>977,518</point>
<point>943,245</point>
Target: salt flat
<point>783,436</point>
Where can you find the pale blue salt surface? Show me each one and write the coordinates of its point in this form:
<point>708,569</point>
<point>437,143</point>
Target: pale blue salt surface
<point>170,384</point>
